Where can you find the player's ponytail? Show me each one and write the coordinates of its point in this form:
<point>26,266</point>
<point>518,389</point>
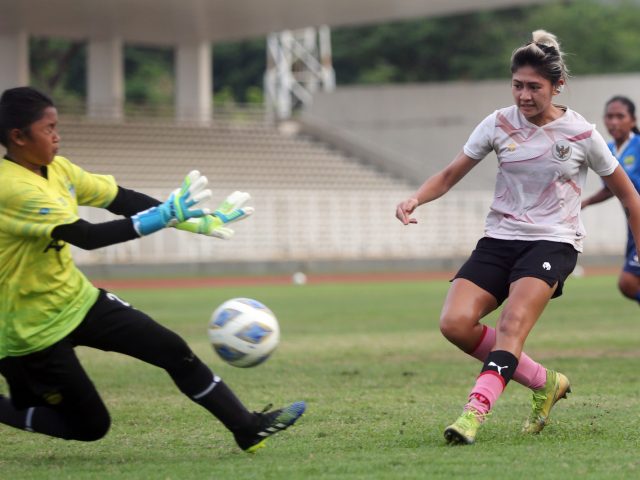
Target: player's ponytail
<point>544,55</point>
<point>19,108</point>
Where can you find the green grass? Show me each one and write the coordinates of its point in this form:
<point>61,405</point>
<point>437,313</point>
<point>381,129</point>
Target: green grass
<point>381,384</point>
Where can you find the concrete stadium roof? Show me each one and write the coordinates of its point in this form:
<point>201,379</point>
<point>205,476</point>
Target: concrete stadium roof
<point>170,22</point>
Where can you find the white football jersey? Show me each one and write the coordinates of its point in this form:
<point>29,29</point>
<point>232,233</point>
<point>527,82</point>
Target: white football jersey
<point>541,173</point>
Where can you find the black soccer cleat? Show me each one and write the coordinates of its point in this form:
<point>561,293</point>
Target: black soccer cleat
<point>269,423</point>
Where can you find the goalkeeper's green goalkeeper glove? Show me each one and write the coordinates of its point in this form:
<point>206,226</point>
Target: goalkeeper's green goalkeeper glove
<point>177,208</point>
<point>231,210</point>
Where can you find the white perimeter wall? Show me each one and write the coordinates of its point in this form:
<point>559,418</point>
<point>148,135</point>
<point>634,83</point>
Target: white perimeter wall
<point>338,225</point>
<point>308,225</point>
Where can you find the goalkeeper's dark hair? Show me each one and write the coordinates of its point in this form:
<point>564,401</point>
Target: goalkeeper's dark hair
<point>631,108</point>
<point>544,55</point>
<point>19,108</point>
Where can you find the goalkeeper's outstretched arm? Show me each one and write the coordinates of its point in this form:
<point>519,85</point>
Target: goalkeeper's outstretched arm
<point>129,202</point>
<point>90,236</point>
<point>180,207</point>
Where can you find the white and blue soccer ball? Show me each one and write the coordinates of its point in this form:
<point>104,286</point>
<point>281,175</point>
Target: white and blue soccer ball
<point>243,332</point>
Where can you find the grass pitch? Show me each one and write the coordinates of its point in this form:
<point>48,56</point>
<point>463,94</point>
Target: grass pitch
<point>381,385</point>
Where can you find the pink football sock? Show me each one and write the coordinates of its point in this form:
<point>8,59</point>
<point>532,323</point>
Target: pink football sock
<point>479,404</point>
<point>489,385</point>
<point>529,373</point>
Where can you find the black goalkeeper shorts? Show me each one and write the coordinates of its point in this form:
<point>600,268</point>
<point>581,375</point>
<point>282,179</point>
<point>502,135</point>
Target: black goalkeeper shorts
<point>54,376</point>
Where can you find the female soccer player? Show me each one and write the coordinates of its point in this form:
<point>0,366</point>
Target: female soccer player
<point>620,120</point>
<point>533,232</point>
<point>48,307</point>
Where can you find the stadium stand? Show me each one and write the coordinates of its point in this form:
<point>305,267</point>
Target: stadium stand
<point>246,154</point>
<point>312,202</point>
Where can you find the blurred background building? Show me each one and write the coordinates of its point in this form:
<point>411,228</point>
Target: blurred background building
<point>351,106</point>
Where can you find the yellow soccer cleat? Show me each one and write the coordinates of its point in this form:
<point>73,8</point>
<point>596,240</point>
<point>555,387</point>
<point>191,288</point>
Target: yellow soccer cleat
<point>556,387</point>
<point>463,431</point>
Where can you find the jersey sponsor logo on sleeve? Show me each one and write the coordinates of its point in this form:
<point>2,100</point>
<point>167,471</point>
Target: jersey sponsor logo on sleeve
<point>561,150</point>
<point>44,211</point>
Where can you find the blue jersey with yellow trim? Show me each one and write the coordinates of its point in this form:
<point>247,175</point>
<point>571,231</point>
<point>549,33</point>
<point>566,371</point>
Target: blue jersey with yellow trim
<point>629,159</point>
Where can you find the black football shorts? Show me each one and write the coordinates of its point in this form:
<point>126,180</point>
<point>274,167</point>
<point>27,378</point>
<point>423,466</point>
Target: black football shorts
<point>495,264</point>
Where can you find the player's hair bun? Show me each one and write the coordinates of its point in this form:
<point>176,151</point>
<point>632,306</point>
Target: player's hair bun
<point>546,38</point>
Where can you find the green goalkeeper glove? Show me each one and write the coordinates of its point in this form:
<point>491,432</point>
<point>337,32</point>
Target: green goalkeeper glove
<point>231,210</point>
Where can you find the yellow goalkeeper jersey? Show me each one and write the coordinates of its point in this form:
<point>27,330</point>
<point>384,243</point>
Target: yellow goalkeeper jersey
<point>43,295</point>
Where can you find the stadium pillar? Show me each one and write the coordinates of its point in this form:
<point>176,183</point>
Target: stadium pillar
<point>14,55</point>
<point>105,79</point>
<point>194,81</point>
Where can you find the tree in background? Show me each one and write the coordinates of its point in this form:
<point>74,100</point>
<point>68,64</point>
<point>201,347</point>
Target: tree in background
<point>601,37</point>
<point>470,46</point>
<point>238,69</point>
<point>149,79</point>
<point>58,67</point>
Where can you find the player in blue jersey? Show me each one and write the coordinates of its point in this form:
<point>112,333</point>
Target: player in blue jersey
<point>48,307</point>
<point>620,120</point>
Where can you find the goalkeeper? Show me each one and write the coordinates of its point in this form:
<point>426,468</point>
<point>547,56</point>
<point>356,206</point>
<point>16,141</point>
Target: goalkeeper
<point>48,307</point>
